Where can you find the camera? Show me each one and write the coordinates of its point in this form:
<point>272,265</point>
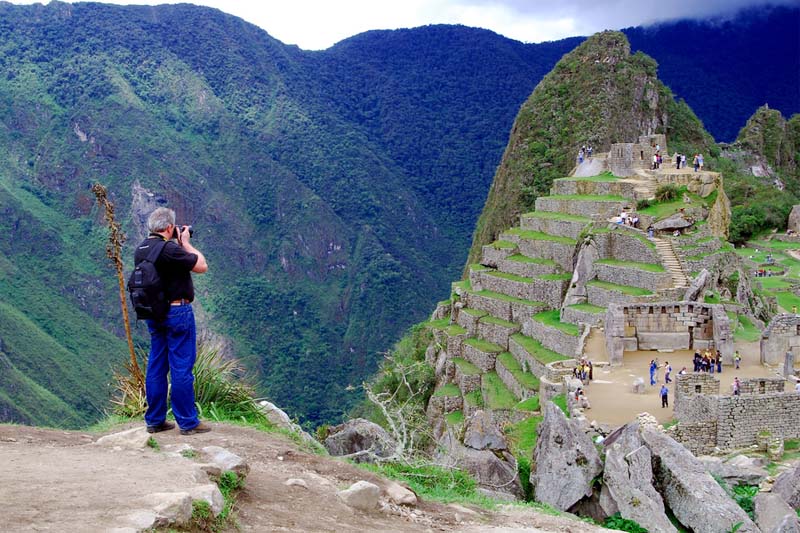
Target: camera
<point>176,232</point>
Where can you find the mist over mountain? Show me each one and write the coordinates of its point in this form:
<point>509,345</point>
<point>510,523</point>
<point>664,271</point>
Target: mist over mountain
<point>334,193</point>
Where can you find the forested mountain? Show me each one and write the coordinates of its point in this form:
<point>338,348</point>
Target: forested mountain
<point>334,193</point>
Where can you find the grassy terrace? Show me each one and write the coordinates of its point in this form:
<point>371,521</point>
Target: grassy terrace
<point>477,267</point>
<point>465,367</point>
<point>498,322</point>
<point>522,436</point>
<point>463,284</point>
<point>522,279</point>
<point>531,404</point>
<point>444,325</point>
<point>506,298</point>
<point>532,235</point>
<point>484,346</point>
<point>552,319</point>
<point>589,197</point>
<point>604,177</point>
<point>537,351</point>
<point>624,289</point>
<point>474,312</point>
<point>550,215</point>
<point>503,245</point>
<point>629,233</point>
<point>525,259</point>
<point>449,389</point>
<point>474,398</point>
<point>647,267</point>
<point>456,418</point>
<point>588,308</point>
<point>743,329</point>
<point>661,210</point>
<point>526,379</point>
<point>496,393</point>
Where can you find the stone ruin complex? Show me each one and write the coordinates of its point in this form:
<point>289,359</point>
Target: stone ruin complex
<point>513,331</point>
<point>624,159</point>
<point>708,420</point>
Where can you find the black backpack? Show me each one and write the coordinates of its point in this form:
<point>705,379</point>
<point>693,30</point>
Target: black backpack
<point>145,287</point>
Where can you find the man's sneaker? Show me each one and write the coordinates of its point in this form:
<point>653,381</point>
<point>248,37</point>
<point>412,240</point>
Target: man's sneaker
<point>202,427</point>
<point>163,426</point>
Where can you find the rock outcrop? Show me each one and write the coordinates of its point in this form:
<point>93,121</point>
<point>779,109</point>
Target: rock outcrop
<point>773,514</point>
<point>481,433</point>
<point>787,485</point>
<point>628,483</point>
<point>360,439</point>
<point>697,287</point>
<point>565,461</point>
<point>689,491</point>
<point>583,273</point>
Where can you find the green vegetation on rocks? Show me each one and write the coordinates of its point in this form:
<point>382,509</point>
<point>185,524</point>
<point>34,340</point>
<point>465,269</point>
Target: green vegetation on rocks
<point>526,379</point>
<point>625,289</point>
<point>552,318</point>
<point>648,267</point>
<point>537,351</point>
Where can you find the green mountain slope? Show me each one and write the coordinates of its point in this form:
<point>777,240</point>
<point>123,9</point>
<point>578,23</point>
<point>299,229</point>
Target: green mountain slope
<point>596,95</point>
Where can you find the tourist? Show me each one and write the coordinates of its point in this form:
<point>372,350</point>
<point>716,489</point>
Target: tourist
<point>794,309</point>
<point>683,160</point>
<point>682,372</point>
<point>676,233</point>
<point>589,150</point>
<point>635,220</point>
<point>698,359</point>
<point>650,232</point>
<point>719,362</point>
<point>736,386</point>
<point>664,396</point>
<point>700,161</point>
<point>580,157</point>
<point>695,162</point>
<point>677,161</point>
<point>583,401</point>
<point>667,372</point>
<point>591,371</point>
<point>711,365</point>
<point>737,359</point>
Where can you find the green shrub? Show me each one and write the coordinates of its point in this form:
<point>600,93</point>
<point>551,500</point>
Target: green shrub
<point>623,524</point>
<point>667,193</point>
<point>644,203</point>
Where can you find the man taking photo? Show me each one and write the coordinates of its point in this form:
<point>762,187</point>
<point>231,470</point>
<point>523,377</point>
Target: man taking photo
<point>173,339</point>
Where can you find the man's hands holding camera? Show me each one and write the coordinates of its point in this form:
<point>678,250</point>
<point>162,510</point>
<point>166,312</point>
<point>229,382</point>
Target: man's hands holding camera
<point>182,235</point>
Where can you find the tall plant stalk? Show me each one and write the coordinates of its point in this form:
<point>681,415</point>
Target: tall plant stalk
<point>114,252</point>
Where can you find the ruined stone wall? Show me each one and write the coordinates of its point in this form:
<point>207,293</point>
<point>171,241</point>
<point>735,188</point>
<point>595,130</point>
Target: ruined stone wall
<point>538,290</point>
<point>667,325</point>
<point>633,277</point>
<point>781,335</point>
<point>621,244</point>
<point>578,186</point>
<point>713,262</point>
<point>708,420</point>
<point>559,252</point>
<point>701,183</point>
<point>552,338</point>
<point>576,316</point>
<point>491,256</point>
<point>584,208</point>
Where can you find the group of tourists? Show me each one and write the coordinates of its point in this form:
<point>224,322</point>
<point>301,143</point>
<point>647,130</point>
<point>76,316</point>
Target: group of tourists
<point>583,371</point>
<point>698,162</point>
<point>708,361</point>
<point>628,219</point>
<point>584,153</point>
<point>680,161</point>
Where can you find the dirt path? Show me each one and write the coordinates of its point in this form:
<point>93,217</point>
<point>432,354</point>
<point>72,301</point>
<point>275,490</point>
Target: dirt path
<point>611,393</point>
<point>60,481</point>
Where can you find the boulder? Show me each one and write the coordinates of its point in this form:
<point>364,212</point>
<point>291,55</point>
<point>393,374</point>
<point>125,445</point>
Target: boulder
<point>787,486</point>
<point>565,461</point>
<point>400,495</point>
<point>774,515</point>
<point>628,483</point>
<point>696,288</point>
<point>794,219</point>
<point>361,439</point>
<point>689,491</point>
<point>131,439</point>
<point>361,495</point>
<point>226,460</point>
<point>481,433</point>
<point>210,494</point>
<point>279,418</point>
<point>676,221</point>
<point>740,470</point>
<point>494,471</point>
<point>583,273</point>
<point>171,508</point>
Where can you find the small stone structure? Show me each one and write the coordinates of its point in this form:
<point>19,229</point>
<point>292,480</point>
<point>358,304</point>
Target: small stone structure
<point>667,326</point>
<point>708,420</point>
<point>781,335</point>
<point>625,158</point>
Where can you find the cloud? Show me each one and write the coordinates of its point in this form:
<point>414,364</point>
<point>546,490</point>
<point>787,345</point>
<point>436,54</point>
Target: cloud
<point>318,24</point>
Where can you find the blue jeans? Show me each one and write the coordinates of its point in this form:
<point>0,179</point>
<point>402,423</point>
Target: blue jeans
<point>173,349</point>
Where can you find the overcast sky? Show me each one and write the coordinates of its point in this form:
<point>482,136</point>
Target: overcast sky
<point>318,24</point>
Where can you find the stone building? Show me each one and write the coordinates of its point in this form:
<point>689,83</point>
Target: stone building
<point>782,334</point>
<point>625,158</point>
<point>709,420</point>
<point>667,326</point>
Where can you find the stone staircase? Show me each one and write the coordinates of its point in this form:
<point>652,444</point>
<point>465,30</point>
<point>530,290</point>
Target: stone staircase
<point>671,262</point>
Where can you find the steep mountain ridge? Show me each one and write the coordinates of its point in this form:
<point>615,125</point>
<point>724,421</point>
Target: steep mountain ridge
<point>319,182</point>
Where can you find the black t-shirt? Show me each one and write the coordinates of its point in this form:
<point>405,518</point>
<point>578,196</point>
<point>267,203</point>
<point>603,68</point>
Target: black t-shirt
<point>174,267</point>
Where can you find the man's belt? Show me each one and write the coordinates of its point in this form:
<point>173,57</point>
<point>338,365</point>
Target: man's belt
<point>182,301</point>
